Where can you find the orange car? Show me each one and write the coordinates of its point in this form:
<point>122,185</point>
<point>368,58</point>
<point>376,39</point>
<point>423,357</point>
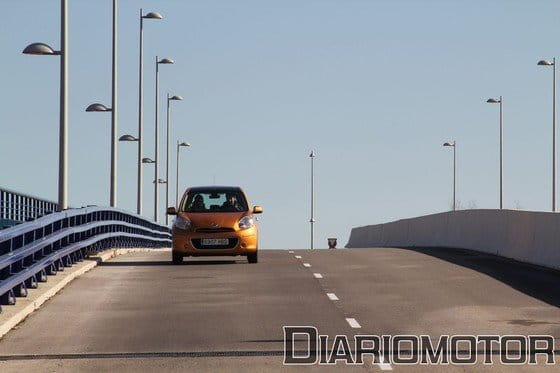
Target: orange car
<point>214,220</point>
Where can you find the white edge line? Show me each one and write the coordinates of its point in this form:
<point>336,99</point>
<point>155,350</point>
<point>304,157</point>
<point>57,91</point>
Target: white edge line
<point>332,296</point>
<point>353,323</point>
<point>382,365</point>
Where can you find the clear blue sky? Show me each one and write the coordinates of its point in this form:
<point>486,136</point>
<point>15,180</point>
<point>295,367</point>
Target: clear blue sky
<point>375,87</point>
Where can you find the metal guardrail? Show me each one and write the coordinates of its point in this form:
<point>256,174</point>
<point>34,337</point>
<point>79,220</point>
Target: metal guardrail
<point>17,208</point>
<point>31,251</point>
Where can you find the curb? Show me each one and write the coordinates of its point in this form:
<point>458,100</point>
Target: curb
<point>103,256</point>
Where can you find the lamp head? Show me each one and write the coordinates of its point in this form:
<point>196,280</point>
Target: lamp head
<point>153,15</point>
<point>545,63</point>
<point>40,49</point>
<point>128,138</point>
<point>97,108</point>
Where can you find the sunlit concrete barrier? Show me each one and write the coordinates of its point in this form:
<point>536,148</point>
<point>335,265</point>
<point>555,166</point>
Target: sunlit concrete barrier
<point>527,236</point>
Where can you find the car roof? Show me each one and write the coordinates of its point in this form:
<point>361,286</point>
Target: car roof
<point>215,188</point>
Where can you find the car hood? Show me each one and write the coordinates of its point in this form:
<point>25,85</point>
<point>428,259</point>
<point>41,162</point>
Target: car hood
<point>213,219</point>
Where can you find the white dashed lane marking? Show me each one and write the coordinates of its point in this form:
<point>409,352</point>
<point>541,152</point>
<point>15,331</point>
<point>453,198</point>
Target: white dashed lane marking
<point>353,323</point>
<point>332,296</point>
<point>298,256</point>
<point>291,252</point>
<point>306,265</point>
<point>317,275</point>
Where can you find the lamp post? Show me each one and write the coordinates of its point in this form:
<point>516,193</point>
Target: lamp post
<point>165,61</point>
<point>179,144</point>
<point>114,107</point>
<point>553,64</point>
<point>44,49</point>
<point>150,15</point>
<point>148,160</point>
<point>454,145</point>
<point>499,101</point>
<point>312,219</point>
<point>99,108</point>
<point>169,99</point>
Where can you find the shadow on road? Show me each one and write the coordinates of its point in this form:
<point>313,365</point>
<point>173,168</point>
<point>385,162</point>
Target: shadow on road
<point>166,263</point>
<point>538,282</point>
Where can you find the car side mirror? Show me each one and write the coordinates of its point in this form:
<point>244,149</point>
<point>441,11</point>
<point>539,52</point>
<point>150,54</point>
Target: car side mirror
<point>257,210</point>
<point>171,211</point>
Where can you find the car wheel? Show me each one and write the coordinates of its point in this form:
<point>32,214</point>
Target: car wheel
<point>252,258</point>
<point>177,258</point>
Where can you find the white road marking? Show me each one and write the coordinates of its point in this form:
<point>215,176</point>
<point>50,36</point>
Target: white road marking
<point>298,256</point>
<point>382,365</point>
<point>306,265</point>
<point>332,296</point>
<point>353,323</point>
<point>291,251</point>
<point>317,275</point>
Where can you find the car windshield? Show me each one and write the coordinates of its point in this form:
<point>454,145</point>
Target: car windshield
<point>214,201</point>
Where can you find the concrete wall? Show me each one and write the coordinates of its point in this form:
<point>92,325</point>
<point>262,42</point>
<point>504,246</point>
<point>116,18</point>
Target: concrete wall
<point>532,237</point>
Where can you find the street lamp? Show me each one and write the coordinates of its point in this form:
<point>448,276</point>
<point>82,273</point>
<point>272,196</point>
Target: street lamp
<point>164,61</point>
<point>150,15</point>
<point>553,64</point>
<point>454,145</point>
<point>312,219</point>
<point>499,101</point>
<point>45,50</point>
<point>169,99</point>
<point>148,160</point>
<point>179,144</point>
<point>102,108</point>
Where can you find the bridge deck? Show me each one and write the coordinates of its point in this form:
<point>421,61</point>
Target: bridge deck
<point>130,312</point>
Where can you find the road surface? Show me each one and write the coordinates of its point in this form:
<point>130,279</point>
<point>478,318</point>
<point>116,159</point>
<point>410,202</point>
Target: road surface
<point>138,312</point>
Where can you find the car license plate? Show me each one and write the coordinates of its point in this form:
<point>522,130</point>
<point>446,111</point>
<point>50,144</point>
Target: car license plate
<point>214,241</point>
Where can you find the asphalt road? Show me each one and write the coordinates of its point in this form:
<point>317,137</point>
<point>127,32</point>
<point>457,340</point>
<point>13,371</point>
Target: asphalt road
<point>138,312</point>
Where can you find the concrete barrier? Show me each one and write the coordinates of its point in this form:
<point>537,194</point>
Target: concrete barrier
<point>527,236</point>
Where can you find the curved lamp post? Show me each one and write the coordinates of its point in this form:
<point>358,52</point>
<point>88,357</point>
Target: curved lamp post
<point>454,145</point>
<point>148,160</point>
<point>150,15</point>
<point>499,101</point>
<point>45,50</point>
<point>113,187</point>
<point>179,145</point>
<point>553,64</point>
<point>169,99</point>
<point>163,61</point>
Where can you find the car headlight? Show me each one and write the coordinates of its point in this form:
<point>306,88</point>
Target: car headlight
<point>182,223</point>
<point>246,222</point>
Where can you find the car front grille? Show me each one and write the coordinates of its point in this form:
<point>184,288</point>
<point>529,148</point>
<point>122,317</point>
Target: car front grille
<point>214,230</point>
<point>196,242</point>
